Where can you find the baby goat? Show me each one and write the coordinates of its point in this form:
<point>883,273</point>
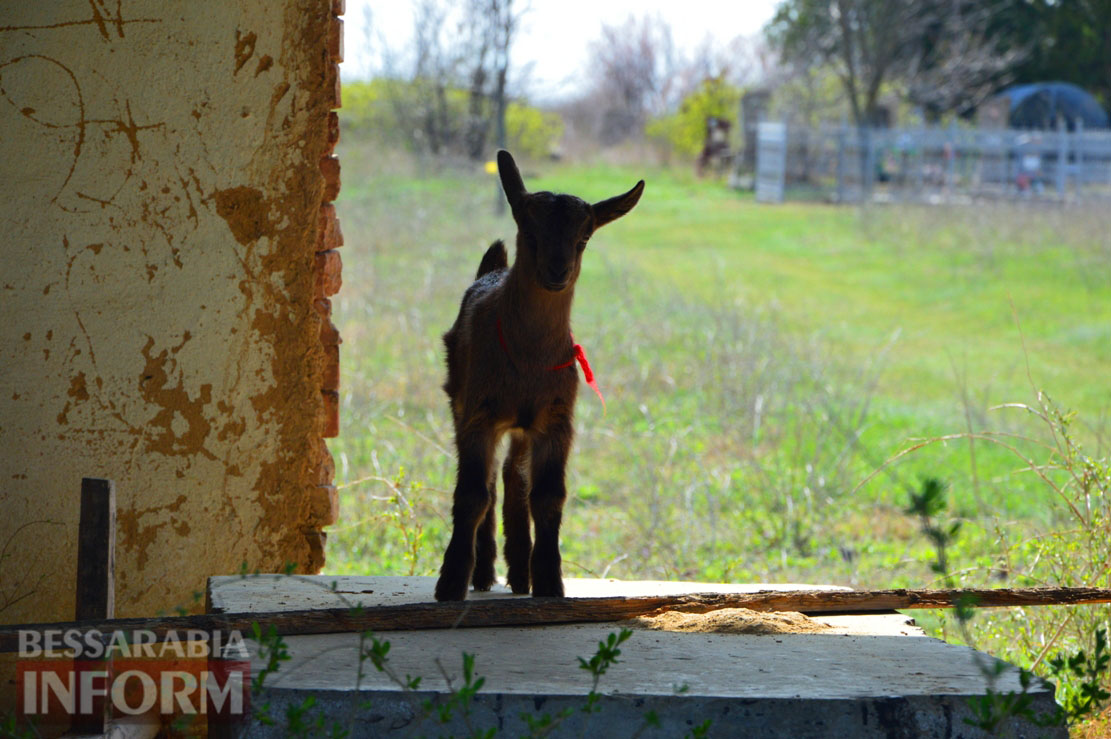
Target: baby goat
<point>511,367</point>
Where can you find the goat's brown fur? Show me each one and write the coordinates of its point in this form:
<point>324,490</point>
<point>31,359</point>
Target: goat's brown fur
<point>498,385</point>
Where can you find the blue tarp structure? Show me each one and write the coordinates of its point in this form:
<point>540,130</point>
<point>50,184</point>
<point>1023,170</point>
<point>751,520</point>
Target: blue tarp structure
<point>1037,106</point>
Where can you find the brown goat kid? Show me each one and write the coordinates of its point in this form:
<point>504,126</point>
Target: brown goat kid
<point>510,360</point>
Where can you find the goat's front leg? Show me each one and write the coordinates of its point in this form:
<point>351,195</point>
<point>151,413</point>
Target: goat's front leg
<point>471,503</point>
<point>549,491</point>
<point>515,515</point>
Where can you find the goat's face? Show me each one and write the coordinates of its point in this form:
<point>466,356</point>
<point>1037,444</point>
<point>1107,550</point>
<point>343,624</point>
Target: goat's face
<point>553,229</point>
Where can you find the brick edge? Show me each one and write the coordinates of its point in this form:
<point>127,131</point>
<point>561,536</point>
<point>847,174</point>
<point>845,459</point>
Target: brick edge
<point>323,509</point>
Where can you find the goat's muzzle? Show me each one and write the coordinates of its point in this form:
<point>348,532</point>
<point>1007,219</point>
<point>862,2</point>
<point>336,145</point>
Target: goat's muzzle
<point>556,280</point>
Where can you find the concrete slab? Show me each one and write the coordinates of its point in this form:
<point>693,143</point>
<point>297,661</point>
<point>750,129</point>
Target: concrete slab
<point>893,682</point>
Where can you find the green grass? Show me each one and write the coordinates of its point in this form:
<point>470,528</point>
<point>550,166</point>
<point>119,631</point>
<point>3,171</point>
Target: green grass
<point>759,362</point>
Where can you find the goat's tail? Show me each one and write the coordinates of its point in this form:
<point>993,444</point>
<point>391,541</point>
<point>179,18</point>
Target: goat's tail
<point>494,259</point>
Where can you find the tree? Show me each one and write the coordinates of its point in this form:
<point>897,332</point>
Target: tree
<point>633,66</point>
<point>1068,40</point>
<point>865,42</point>
<point>456,91</point>
<point>433,70</point>
<point>489,26</point>
<point>685,130</point>
<point>964,54</point>
<point>949,54</point>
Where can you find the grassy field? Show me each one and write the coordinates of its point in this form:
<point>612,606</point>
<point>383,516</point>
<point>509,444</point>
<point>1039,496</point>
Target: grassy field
<point>760,363</point>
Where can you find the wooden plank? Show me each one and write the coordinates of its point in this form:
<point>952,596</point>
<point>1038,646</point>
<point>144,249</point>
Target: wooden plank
<point>96,544</point>
<point>525,611</point>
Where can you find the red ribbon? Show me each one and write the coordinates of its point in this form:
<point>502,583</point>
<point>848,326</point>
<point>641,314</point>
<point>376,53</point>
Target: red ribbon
<point>580,357</point>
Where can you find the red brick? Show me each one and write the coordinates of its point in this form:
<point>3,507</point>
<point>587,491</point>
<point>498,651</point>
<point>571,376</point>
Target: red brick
<point>332,85</point>
<point>339,7</point>
<point>326,469</point>
<point>333,132</point>
<point>329,334</point>
<point>329,167</point>
<point>329,268</point>
<point>331,368</point>
<point>323,506</point>
<point>316,541</point>
<point>331,414</point>
<point>328,233</point>
<point>335,39</point>
<point>326,472</point>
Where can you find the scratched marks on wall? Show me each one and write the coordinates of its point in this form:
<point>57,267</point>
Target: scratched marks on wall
<point>88,149</point>
<point>86,162</point>
<point>162,203</point>
<point>105,16</point>
<point>31,83</point>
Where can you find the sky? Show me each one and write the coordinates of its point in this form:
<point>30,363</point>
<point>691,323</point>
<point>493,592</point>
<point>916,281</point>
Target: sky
<point>555,34</point>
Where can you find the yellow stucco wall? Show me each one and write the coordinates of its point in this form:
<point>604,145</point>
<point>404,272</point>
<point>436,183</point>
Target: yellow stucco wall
<point>159,191</point>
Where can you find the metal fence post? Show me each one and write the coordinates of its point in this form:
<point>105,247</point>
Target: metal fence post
<point>1080,178</point>
<point>951,157</point>
<point>771,161</point>
<point>1062,155</point>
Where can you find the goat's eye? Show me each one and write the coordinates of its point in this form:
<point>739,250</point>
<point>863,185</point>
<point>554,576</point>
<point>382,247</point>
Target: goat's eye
<point>582,245</point>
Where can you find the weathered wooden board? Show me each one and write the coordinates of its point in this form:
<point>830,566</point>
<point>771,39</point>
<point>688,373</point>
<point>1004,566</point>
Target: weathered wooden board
<point>522,611</point>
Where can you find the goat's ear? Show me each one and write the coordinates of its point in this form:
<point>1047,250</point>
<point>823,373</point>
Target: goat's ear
<point>511,182</point>
<point>615,207</point>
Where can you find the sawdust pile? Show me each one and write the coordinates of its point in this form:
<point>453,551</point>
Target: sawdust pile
<point>731,621</point>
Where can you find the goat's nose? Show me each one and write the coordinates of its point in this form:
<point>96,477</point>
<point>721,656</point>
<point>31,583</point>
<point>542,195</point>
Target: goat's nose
<point>559,274</point>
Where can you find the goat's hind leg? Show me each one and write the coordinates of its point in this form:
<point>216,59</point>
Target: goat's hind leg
<point>486,545</point>
<point>471,503</point>
<point>515,514</point>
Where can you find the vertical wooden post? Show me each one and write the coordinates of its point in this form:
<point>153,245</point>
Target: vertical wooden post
<point>96,586</point>
<point>96,551</point>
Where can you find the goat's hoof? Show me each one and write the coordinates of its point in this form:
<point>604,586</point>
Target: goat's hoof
<point>446,590</point>
<point>548,590</point>
<point>517,578</point>
<point>485,581</point>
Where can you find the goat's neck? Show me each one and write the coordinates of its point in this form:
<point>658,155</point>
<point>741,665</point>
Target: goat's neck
<point>534,314</point>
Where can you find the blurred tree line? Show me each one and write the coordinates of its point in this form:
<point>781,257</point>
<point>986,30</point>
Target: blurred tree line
<point>452,92</point>
<point>420,117</point>
<point>1068,40</point>
<point>945,56</point>
<point>449,96</point>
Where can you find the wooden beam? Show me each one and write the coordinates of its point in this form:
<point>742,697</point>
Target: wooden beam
<point>524,611</point>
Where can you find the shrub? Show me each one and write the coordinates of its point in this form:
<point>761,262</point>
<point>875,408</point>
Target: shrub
<point>399,112</point>
<point>685,130</point>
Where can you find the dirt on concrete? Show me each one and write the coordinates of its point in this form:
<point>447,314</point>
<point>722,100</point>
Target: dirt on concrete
<point>731,621</point>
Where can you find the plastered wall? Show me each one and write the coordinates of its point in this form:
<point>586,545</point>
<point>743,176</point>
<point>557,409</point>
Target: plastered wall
<point>166,251</point>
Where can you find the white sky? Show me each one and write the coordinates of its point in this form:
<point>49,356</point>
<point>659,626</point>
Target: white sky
<point>555,34</point>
